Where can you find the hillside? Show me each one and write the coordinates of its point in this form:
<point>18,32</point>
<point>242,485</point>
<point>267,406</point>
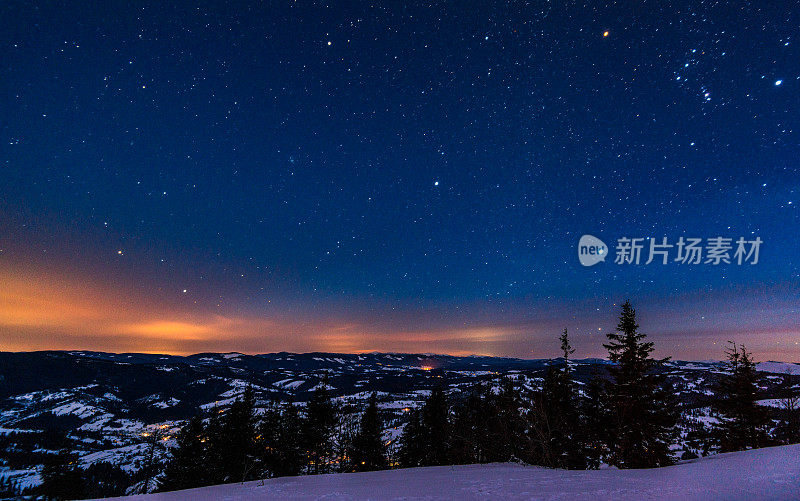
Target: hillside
<point>764,474</point>
<point>106,406</point>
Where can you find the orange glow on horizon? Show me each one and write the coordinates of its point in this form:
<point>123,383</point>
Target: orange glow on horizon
<point>46,310</point>
<point>50,311</point>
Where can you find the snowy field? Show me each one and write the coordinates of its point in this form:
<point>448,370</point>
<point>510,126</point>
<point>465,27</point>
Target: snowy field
<point>763,474</point>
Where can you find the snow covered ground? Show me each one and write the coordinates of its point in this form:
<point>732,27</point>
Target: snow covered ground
<point>779,367</point>
<point>763,474</point>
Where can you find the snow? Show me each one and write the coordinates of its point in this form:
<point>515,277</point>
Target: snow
<point>172,402</point>
<point>78,409</point>
<point>771,473</point>
<point>779,368</point>
<point>289,384</point>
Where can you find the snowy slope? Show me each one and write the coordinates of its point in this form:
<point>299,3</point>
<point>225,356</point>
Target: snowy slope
<point>763,474</point>
<point>779,367</point>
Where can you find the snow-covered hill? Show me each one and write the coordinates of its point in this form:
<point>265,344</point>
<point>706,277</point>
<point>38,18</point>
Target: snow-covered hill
<point>107,406</point>
<point>779,367</point>
<point>763,474</point>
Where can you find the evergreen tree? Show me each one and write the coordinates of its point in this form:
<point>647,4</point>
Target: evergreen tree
<point>788,431</point>
<point>558,435</point>
<point>467,440</point>
<point>149,469</point>
<point>267,441</point>
<point>487,426</point>
<point>436,428</point>
<point>412,441</point>
<point>187,467</point>
<point>318,429</point>
<point>231,455</point>
<point>103,479</point>
<point>280,443</point>
<point>643,416</point>
<point>61,477</point>
<point>566,349</point>
<point>743,423</point>
<point>368,450</point>
<point>596,418</point>
<point>426,437</point>
<point>236,448</point>
<point>500,426</point>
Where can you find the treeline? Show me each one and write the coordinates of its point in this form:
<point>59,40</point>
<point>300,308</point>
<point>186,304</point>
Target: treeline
<point>626,416</point>
<point>64,478</point>
<point>237,445</point>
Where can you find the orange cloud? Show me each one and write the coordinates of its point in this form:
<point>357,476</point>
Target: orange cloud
<point>166,328</point>
<point>41,310</point>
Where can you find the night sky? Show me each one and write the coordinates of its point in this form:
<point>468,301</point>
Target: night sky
<point>395,176</point>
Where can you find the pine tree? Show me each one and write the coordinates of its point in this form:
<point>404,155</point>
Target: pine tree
<point>280,443</point>
<point>412,439</point>
<point>570,443</point>
<point>558,435</point>
<point>61,477</point>
<point>267,441</point>
<point>368,450</point>
<point>149,469</point>
<point>643,416</point>
<point>596,417</point>
<point>503,438</point>
<point>187,467</point>
<point>566,350</point>
<point>231,455</point>
<point>436,428</point>
<point>743,423</point>
<point>318,429</point>
<point>467,429</point>
<point>103,479</point>
<point>426,437</point>
<point>239,452</point>
<point>788,431</point>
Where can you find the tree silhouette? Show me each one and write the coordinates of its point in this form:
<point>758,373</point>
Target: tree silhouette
<point>743,423</point>
<point>643,417</point>
<point>368,450</point>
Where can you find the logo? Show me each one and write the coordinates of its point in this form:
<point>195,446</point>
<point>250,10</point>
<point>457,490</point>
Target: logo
<point>684,251</point>
<point>591,250</point>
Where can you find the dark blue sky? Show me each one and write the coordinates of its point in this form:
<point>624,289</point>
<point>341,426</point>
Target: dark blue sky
<point>398,170</point>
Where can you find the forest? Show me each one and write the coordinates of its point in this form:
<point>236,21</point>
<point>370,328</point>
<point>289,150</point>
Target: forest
<point>624,417</point>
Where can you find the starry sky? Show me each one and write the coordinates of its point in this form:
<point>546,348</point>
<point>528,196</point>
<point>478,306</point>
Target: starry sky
<point>395,176</point>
